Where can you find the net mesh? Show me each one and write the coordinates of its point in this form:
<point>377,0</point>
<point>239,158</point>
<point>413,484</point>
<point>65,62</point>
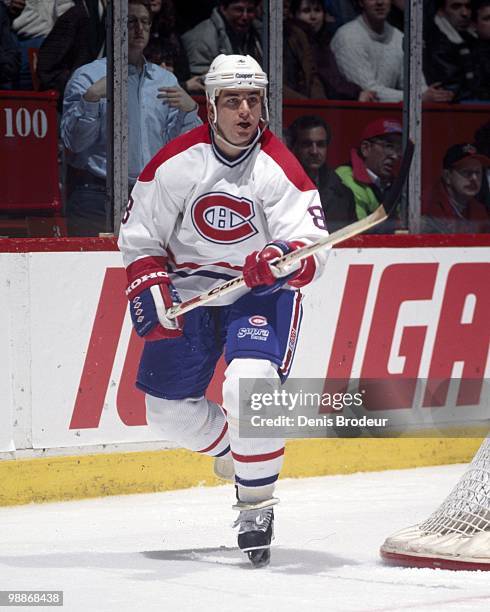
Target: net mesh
<point>466,510</point>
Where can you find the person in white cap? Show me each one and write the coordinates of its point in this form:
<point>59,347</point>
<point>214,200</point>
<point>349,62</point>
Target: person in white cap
<point>225,199</point>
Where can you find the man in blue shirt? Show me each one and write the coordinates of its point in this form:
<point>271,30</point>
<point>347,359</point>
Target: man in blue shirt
<point>158,111</point>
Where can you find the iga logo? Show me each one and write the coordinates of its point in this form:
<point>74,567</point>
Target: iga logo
<point>223,218</point>
<point>258,320</point>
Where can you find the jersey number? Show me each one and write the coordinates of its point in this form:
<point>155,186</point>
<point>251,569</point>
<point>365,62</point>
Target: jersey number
<point>318,217</point>
<point>127,212</point>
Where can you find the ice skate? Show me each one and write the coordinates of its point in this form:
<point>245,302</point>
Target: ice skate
<point>256,531</point>
<point>224,468</point>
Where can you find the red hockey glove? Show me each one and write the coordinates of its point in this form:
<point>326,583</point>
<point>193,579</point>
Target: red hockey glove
<point>150,294</point>
<point>258,274</point>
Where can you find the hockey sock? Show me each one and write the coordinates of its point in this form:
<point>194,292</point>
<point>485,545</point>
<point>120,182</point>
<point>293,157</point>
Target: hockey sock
<point>257,461</point>
<point>195,424</point>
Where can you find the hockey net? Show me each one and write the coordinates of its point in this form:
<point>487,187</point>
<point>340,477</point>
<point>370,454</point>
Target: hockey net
<point>457,535</point>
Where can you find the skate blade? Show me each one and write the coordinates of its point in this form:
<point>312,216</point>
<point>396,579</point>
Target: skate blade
<point>267,503</point>
<point>252,548</point>
<point>260,557</point>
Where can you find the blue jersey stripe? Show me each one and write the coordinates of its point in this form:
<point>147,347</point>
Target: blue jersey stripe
<point>227,450</point>
<point>206,273</point>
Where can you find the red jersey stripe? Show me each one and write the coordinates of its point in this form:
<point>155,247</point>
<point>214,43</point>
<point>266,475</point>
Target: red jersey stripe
<point>196,136</point>
<point>195,266</point>
<point>216,442</point>
<point>294,329</point>
<point>274,148</point>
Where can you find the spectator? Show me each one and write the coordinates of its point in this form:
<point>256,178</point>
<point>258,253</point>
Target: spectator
<point>342,11</point>
<point>9,51</point>
<point>32,26</point>
<point>231,29</point>
<point>309,137</point>
<point>300,74</point>
<point>311,13</point>
<point>77,38</point>
<point>369,51</point>
<point>373,165</point>
<point>447,53</point>
<point>166,47</point>
<point>481,51</point>
<point>158,110</point>
<point>452,206</point>
<point>482,143</point>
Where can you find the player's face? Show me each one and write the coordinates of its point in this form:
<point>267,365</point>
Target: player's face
<point>139,24</point>
<point>239,113</point>
<point>465,179</point>
<point>239,15</point>
<point>311,148</point>
<point>376,10</point>
<point>381,154</point>
<point>311,12</point>
<point>458,13</point>
<point>483,23</point>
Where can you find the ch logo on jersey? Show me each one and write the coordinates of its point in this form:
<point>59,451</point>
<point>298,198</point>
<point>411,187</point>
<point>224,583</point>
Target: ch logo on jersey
<point>257,320</point>
<point>223,218</point>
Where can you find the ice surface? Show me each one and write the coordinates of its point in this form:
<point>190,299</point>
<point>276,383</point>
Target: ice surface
<point>176,551</point>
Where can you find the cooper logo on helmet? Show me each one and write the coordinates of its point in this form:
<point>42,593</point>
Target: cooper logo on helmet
<point>222,218</point>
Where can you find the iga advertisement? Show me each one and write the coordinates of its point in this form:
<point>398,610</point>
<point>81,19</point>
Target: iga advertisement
<point>419,313</point>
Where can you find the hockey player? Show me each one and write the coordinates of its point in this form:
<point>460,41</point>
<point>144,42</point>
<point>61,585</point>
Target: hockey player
<point>222,200</point>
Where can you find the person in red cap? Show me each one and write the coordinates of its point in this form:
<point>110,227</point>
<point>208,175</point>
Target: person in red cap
<point>373,164</point>
<point>452,207</point>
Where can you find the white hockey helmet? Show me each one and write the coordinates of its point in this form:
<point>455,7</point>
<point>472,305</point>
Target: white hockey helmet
<point>235,72</point>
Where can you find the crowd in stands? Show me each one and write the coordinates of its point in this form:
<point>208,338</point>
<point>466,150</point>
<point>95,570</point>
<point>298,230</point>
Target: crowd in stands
<point>332,49</point>
<point>458,202</point>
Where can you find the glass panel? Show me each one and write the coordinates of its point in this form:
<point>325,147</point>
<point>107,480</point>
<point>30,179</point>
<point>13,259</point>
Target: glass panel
<point>32,106</point>
<point>456,136</point>
<point>82,85</point>
<point>342,107</point>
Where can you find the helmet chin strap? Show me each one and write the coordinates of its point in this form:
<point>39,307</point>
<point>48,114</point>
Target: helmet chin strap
<point>252,143</point>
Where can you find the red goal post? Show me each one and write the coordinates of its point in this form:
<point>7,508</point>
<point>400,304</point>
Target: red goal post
<point>457,535</point>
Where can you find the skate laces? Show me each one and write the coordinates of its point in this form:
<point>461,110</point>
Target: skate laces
<point>254,520</point>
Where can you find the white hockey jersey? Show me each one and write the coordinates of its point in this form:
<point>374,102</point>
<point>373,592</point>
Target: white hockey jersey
<point>206,213</point>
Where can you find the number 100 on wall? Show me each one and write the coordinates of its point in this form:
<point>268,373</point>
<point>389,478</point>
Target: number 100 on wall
<point>21,122</point>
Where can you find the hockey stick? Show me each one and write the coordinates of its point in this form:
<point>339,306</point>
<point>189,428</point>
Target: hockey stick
<point>284,263</point>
